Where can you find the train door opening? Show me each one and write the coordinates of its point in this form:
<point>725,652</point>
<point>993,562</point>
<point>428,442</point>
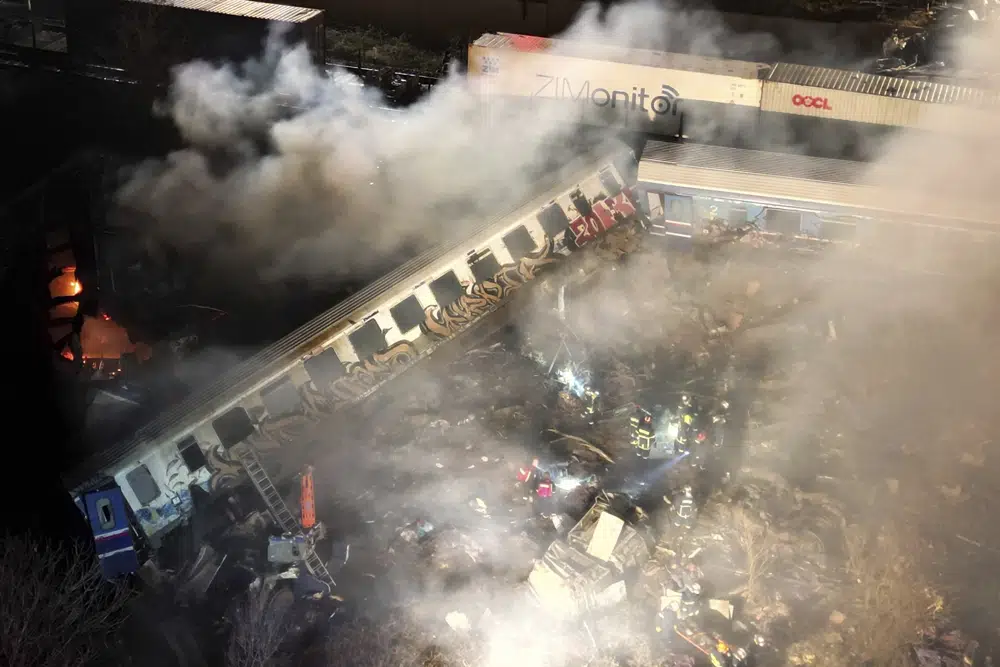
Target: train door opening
<point>671,216</point>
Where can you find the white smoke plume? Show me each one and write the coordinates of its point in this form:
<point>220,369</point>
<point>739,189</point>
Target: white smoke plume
<point>307,174</point>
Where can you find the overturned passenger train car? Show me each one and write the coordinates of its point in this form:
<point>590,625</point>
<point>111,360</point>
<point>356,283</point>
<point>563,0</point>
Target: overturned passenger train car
<point>145,483</point>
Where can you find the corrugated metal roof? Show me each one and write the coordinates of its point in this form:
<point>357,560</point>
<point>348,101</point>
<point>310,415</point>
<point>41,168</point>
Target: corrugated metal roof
<point>876,84</point>
<point>805,182</point>
<point>739,159</point>
<point>258,10</point>
<point>643,57</point>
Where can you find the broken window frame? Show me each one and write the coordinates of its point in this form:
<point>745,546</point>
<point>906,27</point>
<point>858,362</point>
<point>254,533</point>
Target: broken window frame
<point>446,288</point>
<point>223,424</point>
<point>328,364</point>
<point>514,241</point>
<point>189,444</point>
<point>136,484</point>
<point>280,389</point>
<point>612,186</point>
<point>364,340</point>
<point>408,314</point>
<point>477,261</point>
<point>553,220</point>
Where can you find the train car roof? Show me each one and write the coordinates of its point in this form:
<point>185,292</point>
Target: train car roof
<point>248,8</point>
<point>885,86</point>
<point>229,389</point>
<point>644,57</point>
<point>806,182</point>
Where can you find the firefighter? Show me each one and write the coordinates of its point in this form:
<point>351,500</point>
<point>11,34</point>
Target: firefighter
<point>590,404</point>
<point>690,600</point>
<point>642,432</point>
<point>526,474</point>
<point>544,493</point>
<point>684,509</point>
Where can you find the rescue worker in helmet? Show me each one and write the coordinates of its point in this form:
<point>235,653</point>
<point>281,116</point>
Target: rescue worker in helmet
<point>590,404</point>
<point>527,480</point>
<point>665,621</point>
<point>642,431</point>
<point>526,474</point>
<point>690,600</point>
<point>687,418</point>
<point>544,492</point>
<point>684,509</point>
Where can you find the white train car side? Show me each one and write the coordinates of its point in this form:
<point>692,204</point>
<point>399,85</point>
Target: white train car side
<point>683,188</point>
<point>347,353</point>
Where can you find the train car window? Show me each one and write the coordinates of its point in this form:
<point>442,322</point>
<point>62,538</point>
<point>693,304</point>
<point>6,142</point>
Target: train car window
<point>553,219</point>
<point>446,289</point>
<point>677,209</point>
<point>627,167</point>
<point>835,230</point>
<point>324,368</point>
<point>233,427</point>
<point>368,340</point>
<point>519,242</point>
<point>581,203</point>
<point>105,515</point>
<point>281,398</point>
<point>737,216</point>
<point>484,266</point>
<point>191,454</point>
<point>786,223</point>
<point>143,485</point>
<point>408,313</point>
<point>611,185</point>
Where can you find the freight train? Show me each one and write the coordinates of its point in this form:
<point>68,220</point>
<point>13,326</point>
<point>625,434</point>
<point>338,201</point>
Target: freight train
<point>142,488</point>
<point>682,95</point>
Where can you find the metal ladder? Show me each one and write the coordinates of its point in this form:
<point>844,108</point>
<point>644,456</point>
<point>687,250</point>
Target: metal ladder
<point>279,510</point>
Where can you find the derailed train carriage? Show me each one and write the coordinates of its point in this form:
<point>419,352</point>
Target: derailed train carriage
<point>687,191</point>
<point>142,487</point>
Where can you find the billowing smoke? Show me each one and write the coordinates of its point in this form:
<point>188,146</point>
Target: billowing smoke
<point>297,173</point>
<point>887,350</point>
<point>308,175</point>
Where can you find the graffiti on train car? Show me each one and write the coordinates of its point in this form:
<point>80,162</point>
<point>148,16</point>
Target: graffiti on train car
<point>173,506</point>
<point>365,375</point>
<point>482,298</point>
<point>282,430</point>
<point>604,215</point>
<point>225,468</point>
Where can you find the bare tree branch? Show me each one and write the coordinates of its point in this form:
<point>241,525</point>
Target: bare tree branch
<point>55,606</point>
<point>259,627</point>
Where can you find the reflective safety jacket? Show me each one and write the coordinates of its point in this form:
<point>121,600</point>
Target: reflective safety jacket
<point>642,432</point>
<point>524,473</point>
<point>544,490</point>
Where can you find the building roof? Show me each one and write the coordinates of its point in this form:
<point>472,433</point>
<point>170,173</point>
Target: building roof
<point>258,10</point>
<point>876,84</point>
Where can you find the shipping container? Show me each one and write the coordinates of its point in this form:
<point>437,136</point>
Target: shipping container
<point>856,97</point>
<point>659,93</point>
<point>146,38</point>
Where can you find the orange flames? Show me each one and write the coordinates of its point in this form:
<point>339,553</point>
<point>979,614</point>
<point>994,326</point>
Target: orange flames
<point>100,338</point>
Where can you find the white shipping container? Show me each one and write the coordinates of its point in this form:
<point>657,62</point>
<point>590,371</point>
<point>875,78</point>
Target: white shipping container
<point>607,83</point>
<point>858,97</point>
